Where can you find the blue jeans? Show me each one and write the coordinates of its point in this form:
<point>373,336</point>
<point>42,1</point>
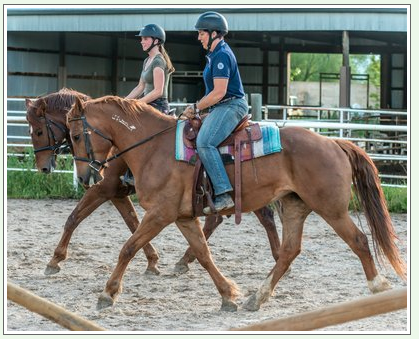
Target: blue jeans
<point>216,127</point>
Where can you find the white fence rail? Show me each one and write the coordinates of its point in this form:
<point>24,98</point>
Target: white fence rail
<point>342,125</point>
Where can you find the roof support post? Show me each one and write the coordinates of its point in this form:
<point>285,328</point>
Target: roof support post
<point>115,68</point>
<point>62,69</point>
<point>345,74</point>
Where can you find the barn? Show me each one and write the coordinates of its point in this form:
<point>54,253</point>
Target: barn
<point>94,49</point>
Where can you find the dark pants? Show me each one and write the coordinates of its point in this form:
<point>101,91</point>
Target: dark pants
<point>161,104</point>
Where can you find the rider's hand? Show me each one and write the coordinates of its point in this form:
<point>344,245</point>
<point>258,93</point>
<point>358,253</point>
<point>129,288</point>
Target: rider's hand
<point>189,112</point>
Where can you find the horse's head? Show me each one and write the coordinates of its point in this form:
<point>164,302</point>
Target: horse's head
<point>46,136</point>
<point>83,136</point>
<point>49,134</point>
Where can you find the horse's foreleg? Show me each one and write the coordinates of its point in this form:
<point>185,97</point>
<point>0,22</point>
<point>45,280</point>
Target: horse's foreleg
<point>126,209</point>
<point>294,214</point>
<point>150,226</point>
<point>211,223</point>
<point>90,201</point>
<point>266,218</point>
<point>195,237</point>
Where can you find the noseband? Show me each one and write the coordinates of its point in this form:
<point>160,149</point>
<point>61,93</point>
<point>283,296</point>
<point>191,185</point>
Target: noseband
<point>59,146</point>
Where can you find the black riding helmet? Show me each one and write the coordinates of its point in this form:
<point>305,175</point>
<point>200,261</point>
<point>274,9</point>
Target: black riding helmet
<point>154,31</point>
<point>212,21</point>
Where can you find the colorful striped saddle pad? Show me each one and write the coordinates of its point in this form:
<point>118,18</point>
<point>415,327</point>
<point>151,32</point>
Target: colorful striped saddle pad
<point>268,144</point>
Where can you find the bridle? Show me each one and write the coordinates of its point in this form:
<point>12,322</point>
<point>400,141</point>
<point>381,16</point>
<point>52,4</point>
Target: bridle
<point>94,164</point>
<point>97,165</point>
<point>59,146</point>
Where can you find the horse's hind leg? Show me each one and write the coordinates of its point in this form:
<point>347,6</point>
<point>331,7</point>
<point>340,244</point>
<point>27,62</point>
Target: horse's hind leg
<point>358,242</point>
<point>211,223</point>
<point>89,202</point>
<point>126,209</point>
<point>266,218</point>
<point>294,213</point>
<point>193,234</point>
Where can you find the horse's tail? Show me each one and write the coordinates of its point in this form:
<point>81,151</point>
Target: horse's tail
<point>371,196</point>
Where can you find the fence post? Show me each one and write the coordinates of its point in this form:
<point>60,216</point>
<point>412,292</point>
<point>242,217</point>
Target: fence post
<point>381,303</point>
<point>256,102</point>
<point>75,180</point>
<point>49,310</point>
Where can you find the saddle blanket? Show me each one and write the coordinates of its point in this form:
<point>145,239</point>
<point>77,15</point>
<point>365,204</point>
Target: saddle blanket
<point>270,143</point>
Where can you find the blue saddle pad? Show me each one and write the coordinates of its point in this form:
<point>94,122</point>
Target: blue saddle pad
<point>270,143</point>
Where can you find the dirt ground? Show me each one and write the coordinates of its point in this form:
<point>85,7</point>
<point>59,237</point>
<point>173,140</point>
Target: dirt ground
<point>326,272</point>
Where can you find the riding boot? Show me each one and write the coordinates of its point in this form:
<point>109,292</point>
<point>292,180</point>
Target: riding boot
<point>221,202</point>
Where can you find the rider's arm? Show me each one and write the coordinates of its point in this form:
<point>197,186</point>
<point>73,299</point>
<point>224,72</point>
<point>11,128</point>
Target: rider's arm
<point>213,97</point>
<point>137,91</point>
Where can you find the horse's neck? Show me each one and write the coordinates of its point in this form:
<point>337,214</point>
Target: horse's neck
<point>158,148</point>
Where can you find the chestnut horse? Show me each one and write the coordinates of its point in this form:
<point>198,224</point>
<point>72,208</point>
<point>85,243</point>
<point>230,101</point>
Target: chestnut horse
<point>312,173</point>
<point>47,120</point>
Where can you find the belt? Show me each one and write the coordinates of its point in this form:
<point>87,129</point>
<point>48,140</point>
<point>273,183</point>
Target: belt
<point>223,101</point>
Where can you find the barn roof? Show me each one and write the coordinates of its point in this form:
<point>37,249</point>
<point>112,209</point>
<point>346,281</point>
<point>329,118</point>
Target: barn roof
<point>183,19</point>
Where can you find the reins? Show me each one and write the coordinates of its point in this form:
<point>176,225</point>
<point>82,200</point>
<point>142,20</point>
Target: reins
<point>96,164</point>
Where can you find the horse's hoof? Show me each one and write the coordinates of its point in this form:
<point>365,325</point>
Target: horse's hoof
<point>104,301</point>
<point>50,270</point>
<point>181,267</point>
<point>251,304</point>
<point>229,306</point>
<point>379,284</point>
<point>152,271</point>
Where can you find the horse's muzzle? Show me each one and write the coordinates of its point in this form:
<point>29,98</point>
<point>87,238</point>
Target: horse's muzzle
<point>49,166</point>
<point>90,178</point>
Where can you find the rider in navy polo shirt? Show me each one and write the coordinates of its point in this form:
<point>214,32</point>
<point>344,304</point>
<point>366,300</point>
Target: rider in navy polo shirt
<point>222,64</point>
<point>224,96</point>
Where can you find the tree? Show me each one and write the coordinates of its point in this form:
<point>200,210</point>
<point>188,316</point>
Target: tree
<point>308,66</point>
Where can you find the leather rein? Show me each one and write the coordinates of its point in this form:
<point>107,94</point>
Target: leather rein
<point>96,164</point>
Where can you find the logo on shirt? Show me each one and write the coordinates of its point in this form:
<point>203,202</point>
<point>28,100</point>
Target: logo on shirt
<point>220,65</point>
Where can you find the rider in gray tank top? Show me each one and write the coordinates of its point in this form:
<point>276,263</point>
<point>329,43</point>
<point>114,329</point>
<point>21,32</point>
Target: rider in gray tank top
<point>152,88</point>
<point>147,74</point>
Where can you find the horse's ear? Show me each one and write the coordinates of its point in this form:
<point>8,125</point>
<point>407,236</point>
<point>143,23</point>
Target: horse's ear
<point>28,103</point>
<point>76,108</point>
<point>41,108</point>
<point>78,105</point>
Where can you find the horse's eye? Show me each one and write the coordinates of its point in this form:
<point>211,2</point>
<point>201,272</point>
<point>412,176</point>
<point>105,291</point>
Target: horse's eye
<point>39,133</point>
<point>76,137</point>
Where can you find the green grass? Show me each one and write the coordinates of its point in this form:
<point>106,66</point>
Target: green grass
<point>396,198</point>
<point>34,185</point>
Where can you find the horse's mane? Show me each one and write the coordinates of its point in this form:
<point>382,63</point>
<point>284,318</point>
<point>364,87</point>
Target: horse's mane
<point>133,108</point>
<point>61,100</point>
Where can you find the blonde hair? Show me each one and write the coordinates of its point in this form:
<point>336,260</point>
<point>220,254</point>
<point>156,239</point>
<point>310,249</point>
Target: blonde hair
<point>167,59</point>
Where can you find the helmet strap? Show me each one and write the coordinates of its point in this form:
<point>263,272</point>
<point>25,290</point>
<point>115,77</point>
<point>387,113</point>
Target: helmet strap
<point>154,44</point>
<point>211,40</point>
